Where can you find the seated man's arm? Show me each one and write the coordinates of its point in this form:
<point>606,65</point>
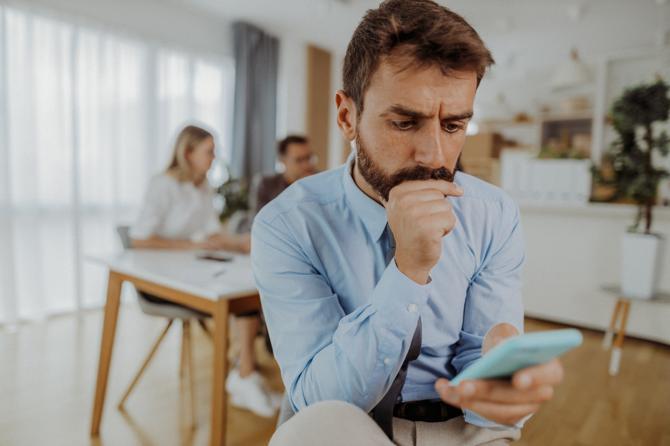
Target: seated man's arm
<point>265,193</point>
<point>325,354</point>
<point>494,295</point>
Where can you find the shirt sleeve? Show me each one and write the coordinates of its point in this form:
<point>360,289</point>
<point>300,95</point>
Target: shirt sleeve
<point>264,194</point>
<point>323,353</point>
<point>494,294</point>
<point>154,209</point>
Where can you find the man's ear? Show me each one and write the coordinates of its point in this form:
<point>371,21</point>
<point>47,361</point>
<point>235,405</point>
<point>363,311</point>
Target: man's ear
<point>347,117</point>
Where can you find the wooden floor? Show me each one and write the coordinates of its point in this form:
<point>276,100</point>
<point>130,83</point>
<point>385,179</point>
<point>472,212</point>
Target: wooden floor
<point>592,408</point>
<point>47,375</point>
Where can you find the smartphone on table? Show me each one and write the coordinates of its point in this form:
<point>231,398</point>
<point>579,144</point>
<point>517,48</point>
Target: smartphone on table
<point>214,256</point>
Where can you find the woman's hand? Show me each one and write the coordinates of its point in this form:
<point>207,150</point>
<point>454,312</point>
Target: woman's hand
<point>236,242</point>
<point>243,243</point>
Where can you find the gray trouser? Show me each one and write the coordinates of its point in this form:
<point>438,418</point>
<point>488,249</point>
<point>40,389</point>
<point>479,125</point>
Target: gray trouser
<point>336,423</point>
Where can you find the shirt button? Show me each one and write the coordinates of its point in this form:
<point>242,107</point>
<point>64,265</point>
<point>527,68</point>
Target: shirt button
<point>411,308</point>
<point>387,361</point>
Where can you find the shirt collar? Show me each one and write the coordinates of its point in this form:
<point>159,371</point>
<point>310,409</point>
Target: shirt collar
<point>371,213</point>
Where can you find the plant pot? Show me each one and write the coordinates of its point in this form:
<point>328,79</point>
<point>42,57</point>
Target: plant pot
<point>640,264</point>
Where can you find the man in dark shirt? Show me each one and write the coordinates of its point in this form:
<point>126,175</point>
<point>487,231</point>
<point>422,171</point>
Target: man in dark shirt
<point>298,160</point>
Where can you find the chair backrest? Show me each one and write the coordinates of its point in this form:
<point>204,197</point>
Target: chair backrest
<point>124,236</point>
<point>146,304</point>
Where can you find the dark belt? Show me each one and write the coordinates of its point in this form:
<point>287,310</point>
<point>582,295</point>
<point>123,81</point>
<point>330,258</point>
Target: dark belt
<point>430,411</point>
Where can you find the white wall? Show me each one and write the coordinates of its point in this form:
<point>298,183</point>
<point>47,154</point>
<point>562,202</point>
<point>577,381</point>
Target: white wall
<point>292,101</point>
<point>335,138</point>
<point>572,253</point>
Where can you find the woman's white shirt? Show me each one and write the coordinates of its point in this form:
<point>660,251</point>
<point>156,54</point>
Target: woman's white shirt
<point>176,210</point>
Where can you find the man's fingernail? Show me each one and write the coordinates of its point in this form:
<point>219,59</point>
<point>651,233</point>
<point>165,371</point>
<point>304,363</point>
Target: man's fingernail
<point>525,381</point>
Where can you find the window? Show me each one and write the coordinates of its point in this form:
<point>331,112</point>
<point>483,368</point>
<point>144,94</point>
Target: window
<point>87,117</point>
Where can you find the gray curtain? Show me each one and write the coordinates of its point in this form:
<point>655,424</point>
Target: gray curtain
<point>254,115</point>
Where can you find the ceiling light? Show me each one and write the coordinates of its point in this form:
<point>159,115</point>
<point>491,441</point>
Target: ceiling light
<point>571,73</point>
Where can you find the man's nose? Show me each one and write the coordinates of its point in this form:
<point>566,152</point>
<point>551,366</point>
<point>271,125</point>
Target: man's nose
<point>431,146</point>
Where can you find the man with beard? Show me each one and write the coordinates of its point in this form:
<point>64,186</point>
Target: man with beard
<point>297,157</point>
<point>384,278</point>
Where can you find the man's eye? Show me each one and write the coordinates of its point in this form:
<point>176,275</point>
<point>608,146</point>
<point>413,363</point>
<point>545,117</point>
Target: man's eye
<point>404,125</point>
<point>452,127</point>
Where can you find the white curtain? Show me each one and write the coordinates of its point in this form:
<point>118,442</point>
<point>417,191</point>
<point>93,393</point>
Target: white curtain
<point>86,117</point>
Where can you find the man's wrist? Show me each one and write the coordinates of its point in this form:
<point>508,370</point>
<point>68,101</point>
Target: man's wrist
<point>417,275</point>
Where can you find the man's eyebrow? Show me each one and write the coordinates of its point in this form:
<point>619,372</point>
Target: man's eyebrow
<point>415,114</point>
<point>404,111</point>
<point>459,116</point>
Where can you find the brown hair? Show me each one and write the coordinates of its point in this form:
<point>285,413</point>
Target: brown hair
<point>189,137</point>
<point>282,146</point>
<point>428,33</point>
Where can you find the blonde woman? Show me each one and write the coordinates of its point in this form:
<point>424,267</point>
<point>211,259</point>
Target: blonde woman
<point>178,213</point>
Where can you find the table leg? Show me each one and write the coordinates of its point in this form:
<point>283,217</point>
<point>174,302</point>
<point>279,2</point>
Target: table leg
<point>615,359</point>
<point>114,283</point>
<point>218,428</point>
<point>609,334</point>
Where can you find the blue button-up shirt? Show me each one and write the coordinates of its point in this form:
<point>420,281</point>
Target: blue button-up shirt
<point>341,320</point>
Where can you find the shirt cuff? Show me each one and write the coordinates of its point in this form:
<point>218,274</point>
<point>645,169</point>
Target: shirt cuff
<point>396,295</point>
<point>472,418</point>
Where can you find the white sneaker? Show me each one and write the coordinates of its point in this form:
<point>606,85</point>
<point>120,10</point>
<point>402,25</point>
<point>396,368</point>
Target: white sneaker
<point>250,393</point>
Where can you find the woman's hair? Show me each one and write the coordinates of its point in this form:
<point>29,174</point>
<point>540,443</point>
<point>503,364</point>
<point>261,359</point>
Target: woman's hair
<point>186,141</point>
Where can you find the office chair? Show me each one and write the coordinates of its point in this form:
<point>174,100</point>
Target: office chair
<point>157,307</point>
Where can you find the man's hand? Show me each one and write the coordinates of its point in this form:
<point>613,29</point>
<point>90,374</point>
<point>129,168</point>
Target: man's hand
<point>420,216</point>
<point>502,401</point>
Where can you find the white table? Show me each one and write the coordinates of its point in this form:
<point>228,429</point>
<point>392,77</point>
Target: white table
<point>216,288</point>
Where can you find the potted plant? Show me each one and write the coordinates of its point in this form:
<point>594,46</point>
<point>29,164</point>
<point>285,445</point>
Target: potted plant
<point>235,194</point>
<point>638,117</point>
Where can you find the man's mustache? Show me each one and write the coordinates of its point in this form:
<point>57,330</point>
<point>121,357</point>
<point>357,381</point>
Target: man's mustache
<point>419,173</point>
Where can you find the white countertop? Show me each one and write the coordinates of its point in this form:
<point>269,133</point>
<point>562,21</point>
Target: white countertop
<point>627,211</point>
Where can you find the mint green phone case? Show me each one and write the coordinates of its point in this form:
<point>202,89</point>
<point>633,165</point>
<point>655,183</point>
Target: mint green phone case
<point>520,352</point>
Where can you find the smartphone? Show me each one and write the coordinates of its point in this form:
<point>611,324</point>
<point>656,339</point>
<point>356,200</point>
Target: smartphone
<point>215,257</point>
<point>519,352</point>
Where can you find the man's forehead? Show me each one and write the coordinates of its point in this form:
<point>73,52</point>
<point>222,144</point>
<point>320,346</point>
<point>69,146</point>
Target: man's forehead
<point>299,147</point>
<point>421,88</point>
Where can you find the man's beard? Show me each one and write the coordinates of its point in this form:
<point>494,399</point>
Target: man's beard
<point>383,183</point>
